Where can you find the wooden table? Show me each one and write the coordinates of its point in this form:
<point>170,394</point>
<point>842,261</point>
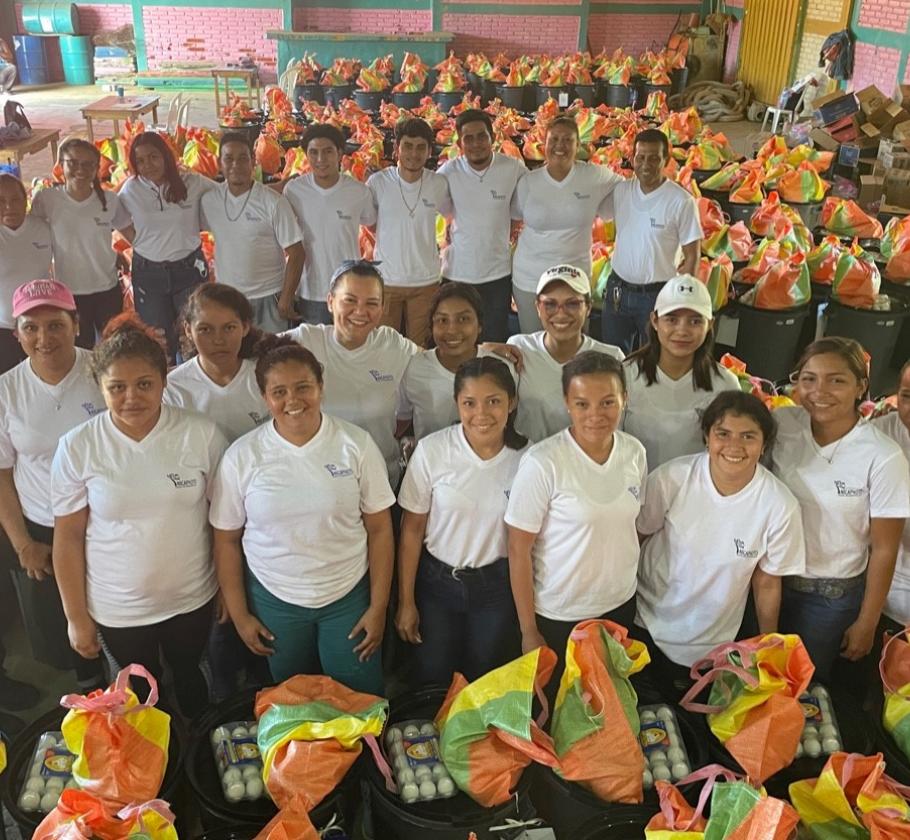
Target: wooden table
<point>41,137</point>
<point>116,108</point>
<point>250,75</point>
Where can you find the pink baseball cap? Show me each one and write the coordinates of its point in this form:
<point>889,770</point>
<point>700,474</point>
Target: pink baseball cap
<point>37,293</point>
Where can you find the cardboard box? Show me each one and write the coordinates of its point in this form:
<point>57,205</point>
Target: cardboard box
<point>821,139</point>
<point>893,209</point>
<point>869,130</point>
<point>849,154</point>
<point>834,106</point>
<point>897,187</point>
<point>871,190</point>
<point>904,93</point>
<point>884,119</point>
<point>901,133</point>
<point>871,99</point>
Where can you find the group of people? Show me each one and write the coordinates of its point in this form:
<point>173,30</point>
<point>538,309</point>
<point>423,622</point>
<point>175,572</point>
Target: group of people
<point>248,504</point>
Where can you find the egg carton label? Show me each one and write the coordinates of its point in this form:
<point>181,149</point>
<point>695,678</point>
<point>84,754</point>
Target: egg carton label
<point>653,736</point>
<point>50,771</point>
<point>412,751</point>
<point>237,752</point>
<point>811,708</point>
<point>424,749</point>
<point>58,764</point>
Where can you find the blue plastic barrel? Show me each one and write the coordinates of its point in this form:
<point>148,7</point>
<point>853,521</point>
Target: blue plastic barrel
<point>30,59</point>
<point>77,55</point>
<point>51,17</point>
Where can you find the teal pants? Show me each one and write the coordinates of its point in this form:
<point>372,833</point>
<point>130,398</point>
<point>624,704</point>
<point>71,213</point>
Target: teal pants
<point>315,640</point>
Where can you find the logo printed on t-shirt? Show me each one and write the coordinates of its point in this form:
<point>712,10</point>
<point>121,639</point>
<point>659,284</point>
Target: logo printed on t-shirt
<point>343,216</point>
<point>850,492</point>
<point>250,216</point>
<point>635,491</point>
<point>90,409</point>
<point>381,377</point>
<point>258,418</point>
<point>40,246</point>
<point>497,196</point>
<point>428,204</point>
<point>582,196</point>
<point>101,222</point>
<point>181,483</point>
<point>338,472</point>
<point>657,225</point>
<point>741,551</point>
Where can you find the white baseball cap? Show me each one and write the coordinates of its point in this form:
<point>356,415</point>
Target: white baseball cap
<point>574,278</point>
<point>684,292</point>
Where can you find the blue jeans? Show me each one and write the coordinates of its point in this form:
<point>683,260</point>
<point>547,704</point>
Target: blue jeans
<point>625,315</point>
<point>497,303</point>
<point>468,623</point>
<point>820,622</point>
<point>313,311</point>
<point>95,310</point>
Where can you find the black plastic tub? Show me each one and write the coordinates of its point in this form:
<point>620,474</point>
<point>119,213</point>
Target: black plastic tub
<point>585,93</point>
<point>545,92</point>
<point>312,92</point>
<point>613,96</point>
<point>334,94</point>
<point>448,99</point>
<point>627,825</point>
<point>371,100</point>
<point>767,339</point>
<point>512,96</point>
<point>408,100</point>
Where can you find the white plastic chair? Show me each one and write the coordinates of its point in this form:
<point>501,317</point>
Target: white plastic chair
<point>183,117</point>
<point>169,125</point>
<point>288,78</point>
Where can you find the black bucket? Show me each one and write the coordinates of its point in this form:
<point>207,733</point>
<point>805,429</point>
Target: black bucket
<point>821,292</point>
<point>679,78</point>
<point>767,339</point>
<point>810,212</point>
<point>22,751</point>
<point>741,212</point>
<point>252,129</point>
<point>475,83</point>
<point>334,94</point>
<point>627,825</point>
<point>647,89</point>
<point>897,763</point>
<point>370,100</point>
<point>613,96</point>
<point>312,92</point>
<point>512,96</point>
<point>408,100</point>
<point>442,819</point>
<point>234,832</point>
<point>878,332</point>
<point>448,99</point>
<point>585,93</point>
<point>545,92</point>
<point>215,811</point>
<point>568,806</point>
<point>487,91</point>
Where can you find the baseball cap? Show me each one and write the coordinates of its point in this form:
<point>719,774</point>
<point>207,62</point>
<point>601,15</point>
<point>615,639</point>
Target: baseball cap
<point>574,278</point>
<point>684,292</point>
<point>37,293</point>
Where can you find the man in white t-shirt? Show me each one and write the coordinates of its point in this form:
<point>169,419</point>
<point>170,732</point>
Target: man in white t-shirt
<point>257,238</point>
<point>408,198</point>
<point>481,183</point>
<point>330,207</point>
<point>655,219</point>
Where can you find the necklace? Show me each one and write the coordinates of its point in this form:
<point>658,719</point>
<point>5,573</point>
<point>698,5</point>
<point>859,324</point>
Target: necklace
<point>818,449</point>
<point>483,173</point>
<point>411,210</point>
<point>249,192</point>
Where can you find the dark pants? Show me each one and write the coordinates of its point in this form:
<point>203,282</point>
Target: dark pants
<point>160,289</point>
<point>626,313</point>
<point>496,296</point>
<point>232,663</point>
<point>467,620</point>
<point>10,350</point>
<point>45,621</point>
<point>95,310</point>
<point>178,642</point>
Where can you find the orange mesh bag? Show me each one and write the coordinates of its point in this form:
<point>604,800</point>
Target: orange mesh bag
<point>845,218</point>
<point>81,816</point>
<point>785,285</point>
<point>856,279</point>
<point>710,215</point>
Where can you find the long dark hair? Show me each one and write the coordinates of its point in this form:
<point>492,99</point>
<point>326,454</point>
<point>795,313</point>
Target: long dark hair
<point>127,336</point>
<point>273,350</point>
<point>462,291</point>
<point>703,365</point>
<point>78,143</point>
<point>229,298</point>
<point>848,349</point>
<point>497,370</point>
<point>740,404</point>
<point>175,192</point>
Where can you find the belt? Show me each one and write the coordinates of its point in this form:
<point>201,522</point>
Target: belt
<point>465,573</point>
<point>637,287</point>
<point>188,260</point>
<point>826,587</point>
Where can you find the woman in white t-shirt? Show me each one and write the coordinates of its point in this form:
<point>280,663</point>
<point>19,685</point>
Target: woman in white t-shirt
<point>717,524</point>
<point>558,204</point>
<point>165,205</point>
<point>853,485</point>
<point>82,216</point>
<point>674,377</point>
<point>41,399</point>
<point>130,489</point>
<point>564,304</point>
<point>573,547</point>
<point>454,598</point>
<point>25,254</point>
<point>301,510</point>
<point>456,324</point>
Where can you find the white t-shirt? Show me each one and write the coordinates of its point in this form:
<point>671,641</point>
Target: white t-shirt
<point>898,604</point>
<point>25,254</point>
<point>300,508</point>
<point>84,257</point>
<point>33,418</point>
<point>867,477</point>
<point>586,553</point>
<point>557,219</point>
<point>696,570</point>
<point>251,232</point>
<point>541,407</point>
<point>405,243</point>
<point>147,548</point>
<point>361,386</point>
<point>479,249</point>
<point>427,394</point>
<point>666,416</point>
<point>650,230</point>
<point>330,221</point>
<point>165,231</point>
<point>465,497</point>
<point>237,407</point>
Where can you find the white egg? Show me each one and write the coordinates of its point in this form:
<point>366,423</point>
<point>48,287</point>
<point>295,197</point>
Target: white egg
<point>647,717</point>
<point>670,727</point>
<point>251,771</point>
<point>799,749</point>
<point>393,736</point>
<point>54,785</point>
<point>827,731</point>
<point>820,691</point>
<point>422,773</point>
<point>824,708</point>
<point>675,754</point>
<point>427,789</point>
<point>657,757</point>
<point>830,745</point>
<point>30,800</point>
<point>401,763</point>
<point>810,731</point>
<point>439,771</point>
<point>661,773</point>
<point>47,741</point>
<point>49,801</point>
<point>35,784</point>
<point>812,747</point>
<point>396,750</point>
<point>254,730</point>
<point>231,775</point>
<point>71,785</point>
<point>665,713</point>
<point>410,792</point>
<point>675,740</point>
<point>411,731</point>
<point>254,788</point>
<point>647,779</point>
<point>680,770</point>
<point>220,734</point>
<point>445,786</point>
<point>240,732</point>
<point>235,792</point>
<point>428,729</point>
<point>406,777</point>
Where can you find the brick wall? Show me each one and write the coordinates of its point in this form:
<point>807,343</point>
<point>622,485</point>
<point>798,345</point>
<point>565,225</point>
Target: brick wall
<point>187,34</point>
<point>891,15</point>
<point>520,2</point>
<point>875,66</point>
<point>808,54</point>
<point>512,34</point>
<point>323,19</point>
<point>634,33</point>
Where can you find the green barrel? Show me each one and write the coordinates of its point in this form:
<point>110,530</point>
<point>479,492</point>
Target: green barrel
<point>50,17</point>
<point>77,54</point>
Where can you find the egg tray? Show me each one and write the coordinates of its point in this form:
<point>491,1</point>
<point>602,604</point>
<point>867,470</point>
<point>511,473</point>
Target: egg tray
<point>412,751</point>
<point>821,735</point>
<point>238,761</point>
<point>50,771</point>
<point>662,743</point>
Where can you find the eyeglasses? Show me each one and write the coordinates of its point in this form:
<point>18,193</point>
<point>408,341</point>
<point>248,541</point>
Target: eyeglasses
<point>366,266</point>
<point>574,306</point>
